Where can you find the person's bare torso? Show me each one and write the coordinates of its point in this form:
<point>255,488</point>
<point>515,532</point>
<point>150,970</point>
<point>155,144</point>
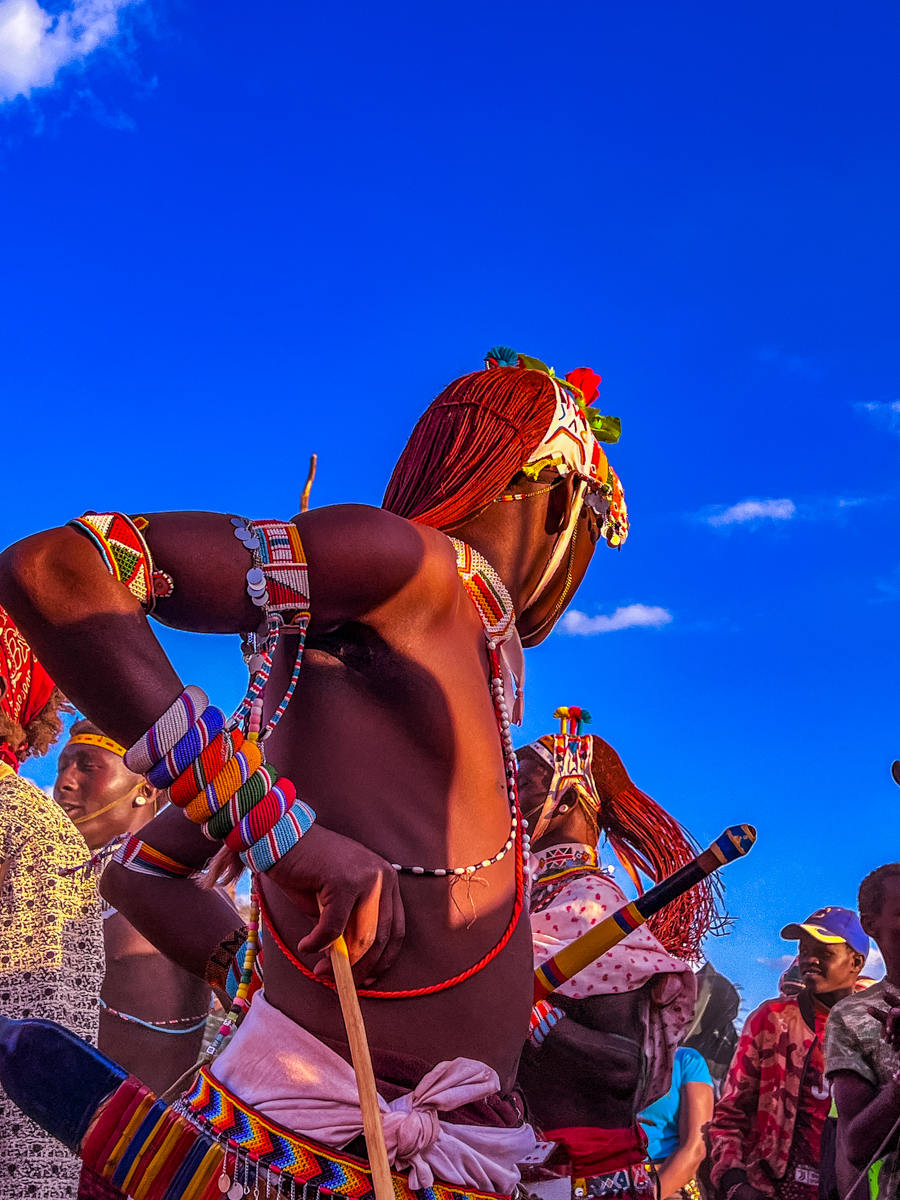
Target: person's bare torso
<point>391,736</point>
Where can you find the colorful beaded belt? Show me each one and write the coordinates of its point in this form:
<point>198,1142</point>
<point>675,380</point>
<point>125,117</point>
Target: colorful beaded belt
<point>265,1150</point>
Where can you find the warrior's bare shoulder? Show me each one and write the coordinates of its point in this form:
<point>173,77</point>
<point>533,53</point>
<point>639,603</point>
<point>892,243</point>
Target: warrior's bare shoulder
<point>364,564</point>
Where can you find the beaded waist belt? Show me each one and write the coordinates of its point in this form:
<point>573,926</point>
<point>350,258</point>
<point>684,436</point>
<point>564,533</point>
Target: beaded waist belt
<point>263,1154</point>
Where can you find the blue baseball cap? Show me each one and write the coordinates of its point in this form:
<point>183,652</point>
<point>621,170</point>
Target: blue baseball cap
<point>831,925</point>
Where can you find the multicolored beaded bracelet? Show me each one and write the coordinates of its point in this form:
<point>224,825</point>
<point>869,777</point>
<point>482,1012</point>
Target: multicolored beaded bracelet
<point>296,822</point>
<point>136,855</point>
<point>167,730</point>
<point>209,725</point>
<point>223,783</point>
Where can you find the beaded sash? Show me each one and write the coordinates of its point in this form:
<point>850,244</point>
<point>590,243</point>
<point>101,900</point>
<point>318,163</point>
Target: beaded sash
<point>300,1165</point>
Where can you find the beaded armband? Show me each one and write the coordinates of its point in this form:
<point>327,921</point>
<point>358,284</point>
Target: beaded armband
<point>127,556</point>
<point>219,779</point>
<point>214,769</point>
<point>136,855</point>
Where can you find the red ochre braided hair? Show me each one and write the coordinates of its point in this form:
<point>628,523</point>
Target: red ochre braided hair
<point>470,442</point>
<point>649,841</point>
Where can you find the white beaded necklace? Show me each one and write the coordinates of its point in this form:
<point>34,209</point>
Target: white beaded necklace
<point>480,579</point>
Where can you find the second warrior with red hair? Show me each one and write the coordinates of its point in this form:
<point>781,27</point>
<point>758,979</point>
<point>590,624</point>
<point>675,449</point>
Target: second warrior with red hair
<point>602,1048</point>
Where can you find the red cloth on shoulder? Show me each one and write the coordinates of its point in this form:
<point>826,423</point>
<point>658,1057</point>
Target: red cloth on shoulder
<point>28,686</point>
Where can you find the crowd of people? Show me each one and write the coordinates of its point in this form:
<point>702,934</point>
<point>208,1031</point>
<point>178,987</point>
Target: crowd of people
<point>626,1077</point>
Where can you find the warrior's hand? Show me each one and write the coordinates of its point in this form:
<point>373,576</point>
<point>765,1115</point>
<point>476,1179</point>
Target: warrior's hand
<point>358,895</point>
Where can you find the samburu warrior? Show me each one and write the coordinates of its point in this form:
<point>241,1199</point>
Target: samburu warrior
<point>396,740</point>
<point>602,1048</point>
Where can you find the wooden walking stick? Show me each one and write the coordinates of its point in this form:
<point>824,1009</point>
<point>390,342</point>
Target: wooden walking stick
<point>734,843</point>
<point>365,1076</point>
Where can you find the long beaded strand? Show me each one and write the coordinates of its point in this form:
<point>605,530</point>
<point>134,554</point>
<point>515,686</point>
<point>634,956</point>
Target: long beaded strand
<point>523,849</point>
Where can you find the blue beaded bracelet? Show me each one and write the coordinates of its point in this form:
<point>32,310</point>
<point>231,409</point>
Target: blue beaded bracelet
<point>207,727</point>
<point>281,837</point>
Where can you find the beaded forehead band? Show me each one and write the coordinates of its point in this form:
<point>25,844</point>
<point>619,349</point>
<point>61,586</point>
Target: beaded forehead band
<point>97,739</point>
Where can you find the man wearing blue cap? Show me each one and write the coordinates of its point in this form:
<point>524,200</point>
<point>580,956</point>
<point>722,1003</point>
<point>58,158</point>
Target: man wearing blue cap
<point>766,1131</point>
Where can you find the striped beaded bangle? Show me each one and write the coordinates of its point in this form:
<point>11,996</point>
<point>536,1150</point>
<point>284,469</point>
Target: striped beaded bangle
<point>136,855</point>
<point>263,817</point>
<point>223,786</point>
<point>205,730</point>
<point>280,839</point>
<point>205,767</point>
<point>221,823</point>
<point>166,732</point>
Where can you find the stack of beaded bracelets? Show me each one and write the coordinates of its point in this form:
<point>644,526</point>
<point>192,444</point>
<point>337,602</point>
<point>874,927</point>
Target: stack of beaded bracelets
<point>219,779</point>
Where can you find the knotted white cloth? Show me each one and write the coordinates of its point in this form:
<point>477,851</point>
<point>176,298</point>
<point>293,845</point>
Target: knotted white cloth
<point>288,1075</point>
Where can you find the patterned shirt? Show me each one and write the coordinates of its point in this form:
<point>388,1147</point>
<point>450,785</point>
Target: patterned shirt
<point>51,965</point>
<point>755,1120</point>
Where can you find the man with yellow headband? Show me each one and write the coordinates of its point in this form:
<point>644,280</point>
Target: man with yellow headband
<point>395,821</point>
<point>152,1012</point>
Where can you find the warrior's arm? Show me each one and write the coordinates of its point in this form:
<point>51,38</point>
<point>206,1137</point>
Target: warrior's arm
<point>95,640</point>
<point>91,633</point>
<point>865,1116</point>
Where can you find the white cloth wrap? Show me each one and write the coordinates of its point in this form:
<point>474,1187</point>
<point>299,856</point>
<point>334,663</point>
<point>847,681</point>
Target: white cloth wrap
<point>288,1075</point>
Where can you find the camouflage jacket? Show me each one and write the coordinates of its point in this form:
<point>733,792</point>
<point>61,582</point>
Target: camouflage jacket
<point>753,1123</point>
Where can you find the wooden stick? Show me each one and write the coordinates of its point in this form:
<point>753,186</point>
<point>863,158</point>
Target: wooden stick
<point>310,479</point>
<point>365,1076</point>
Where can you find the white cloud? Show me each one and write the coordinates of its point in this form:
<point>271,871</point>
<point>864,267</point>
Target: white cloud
<point>883,414</point>
<point>35,44</point>
<point>875,966</point>
<point>628,617</point>
<point>753,510</point>
<point>780,963</point>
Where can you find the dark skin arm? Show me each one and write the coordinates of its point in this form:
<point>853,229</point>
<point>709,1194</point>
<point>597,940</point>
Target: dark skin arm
<point>145,984</point>
<point>95,640</point>
<point>865,1116</point>
<point>599,1040</point>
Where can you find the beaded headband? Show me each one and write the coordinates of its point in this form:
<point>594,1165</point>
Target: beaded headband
<point>571,446</point>
<point>97,739</point>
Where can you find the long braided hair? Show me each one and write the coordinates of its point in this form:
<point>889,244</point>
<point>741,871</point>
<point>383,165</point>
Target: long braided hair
<point>648,841</point>
<point>468,444</point>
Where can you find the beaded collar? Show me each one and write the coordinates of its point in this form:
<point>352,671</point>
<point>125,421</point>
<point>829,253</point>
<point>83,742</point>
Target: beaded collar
<point>486,591</point>
<point>556,866</point>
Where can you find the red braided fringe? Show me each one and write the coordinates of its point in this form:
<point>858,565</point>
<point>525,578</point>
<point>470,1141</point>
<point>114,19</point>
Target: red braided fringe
<point>647,840</point>
<point>469,444</point>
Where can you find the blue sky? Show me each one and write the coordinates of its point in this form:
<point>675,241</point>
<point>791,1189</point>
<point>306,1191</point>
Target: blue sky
<point>233,236</point>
